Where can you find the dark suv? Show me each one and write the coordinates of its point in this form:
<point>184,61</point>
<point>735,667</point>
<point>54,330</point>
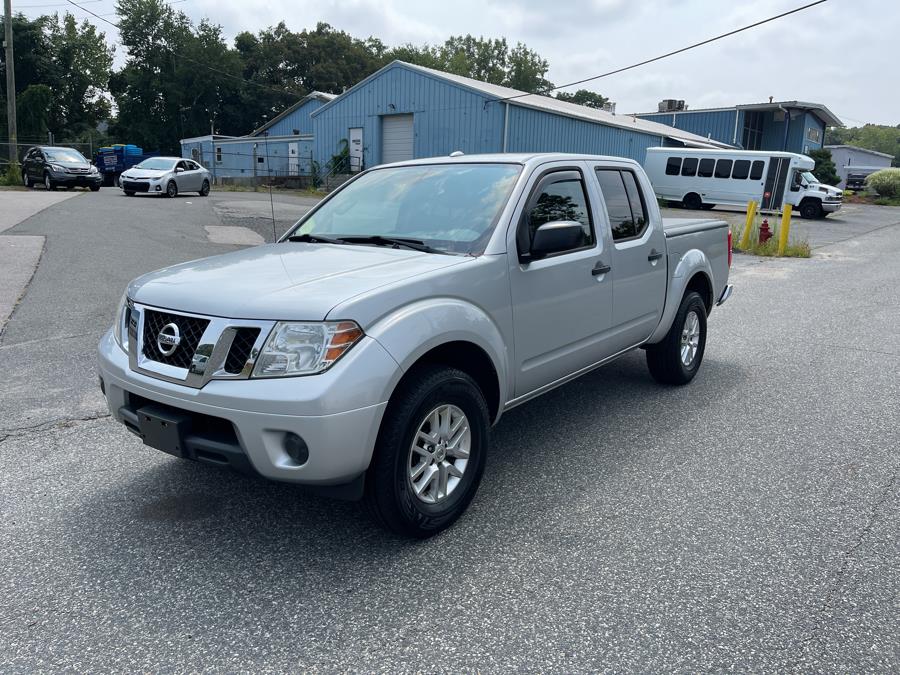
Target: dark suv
<point>59,167</point>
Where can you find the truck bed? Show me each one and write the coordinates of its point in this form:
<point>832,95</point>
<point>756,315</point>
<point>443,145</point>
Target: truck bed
<point>674,227</point>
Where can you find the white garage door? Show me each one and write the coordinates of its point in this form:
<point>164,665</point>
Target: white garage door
<point>396,138</point>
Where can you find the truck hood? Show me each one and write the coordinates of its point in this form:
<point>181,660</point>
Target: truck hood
<point>288,281</point>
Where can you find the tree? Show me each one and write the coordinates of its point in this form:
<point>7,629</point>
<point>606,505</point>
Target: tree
<point>825,169</point>
<point>33,111</point>
<point>584,97</point>
<point>878,137</point>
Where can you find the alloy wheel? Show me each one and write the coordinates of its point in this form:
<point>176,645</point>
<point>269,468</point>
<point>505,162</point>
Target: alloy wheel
<point>439,454</point>
<point>690,338</point>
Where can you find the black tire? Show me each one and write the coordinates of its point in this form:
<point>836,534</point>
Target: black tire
<point>811,210</point>
<point>48,183</point>
<point>664,359</point>
<point>26,180</point>
<point>692,201</point>
<point>389,495</point>
<point>95,188</point>
<point>707,207</point>
<point>171,189</point>
<point>204,189</point>
<point>129,193</point>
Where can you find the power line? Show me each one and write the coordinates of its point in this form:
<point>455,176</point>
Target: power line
<point>192,60</point>
<point>673,53</point>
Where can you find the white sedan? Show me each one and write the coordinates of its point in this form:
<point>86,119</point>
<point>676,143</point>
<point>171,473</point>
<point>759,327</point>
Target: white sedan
<point>166,176</point>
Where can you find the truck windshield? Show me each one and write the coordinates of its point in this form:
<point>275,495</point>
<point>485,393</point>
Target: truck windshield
<point>156,164</point>
<point>808,177</point>
<point>450,207</point>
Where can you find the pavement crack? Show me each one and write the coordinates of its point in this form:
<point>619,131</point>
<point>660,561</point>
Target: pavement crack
<point>17,432</point>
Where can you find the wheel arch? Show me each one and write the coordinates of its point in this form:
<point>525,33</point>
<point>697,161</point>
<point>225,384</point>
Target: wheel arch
<point>692,273</point>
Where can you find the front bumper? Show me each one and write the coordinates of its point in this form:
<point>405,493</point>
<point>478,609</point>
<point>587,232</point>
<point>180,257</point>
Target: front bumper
<point>77,179</point>
<point>337,413</point>
<point>831,207</point>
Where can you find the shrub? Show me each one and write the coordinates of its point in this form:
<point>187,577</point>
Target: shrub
<point>885,182</point>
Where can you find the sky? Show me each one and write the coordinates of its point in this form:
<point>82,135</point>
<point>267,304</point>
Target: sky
<point>841,53</point>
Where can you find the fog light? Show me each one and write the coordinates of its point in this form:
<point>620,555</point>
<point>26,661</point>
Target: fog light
<point>159,188</point>
<point>296,448</point>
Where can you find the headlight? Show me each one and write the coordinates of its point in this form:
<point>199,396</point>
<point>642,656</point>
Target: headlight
<point>120,327</point>
<point>305,348</point>
<point>57,168</point>
<point>94,169</point>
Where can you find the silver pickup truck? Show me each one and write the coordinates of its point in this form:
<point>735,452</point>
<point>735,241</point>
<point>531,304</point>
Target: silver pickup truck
<point>370,350</point>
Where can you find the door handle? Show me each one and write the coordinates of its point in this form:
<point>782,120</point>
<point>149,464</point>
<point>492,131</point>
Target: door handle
<point>600,268</point>
<point>654,255</point>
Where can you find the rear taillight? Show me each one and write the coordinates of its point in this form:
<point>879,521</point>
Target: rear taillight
<point>730,250</point>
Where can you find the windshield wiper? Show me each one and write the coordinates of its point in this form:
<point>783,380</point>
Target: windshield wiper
<point>315,239</point>
<point>395,242</point>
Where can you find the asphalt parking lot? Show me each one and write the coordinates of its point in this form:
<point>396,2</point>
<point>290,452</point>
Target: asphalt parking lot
<point>748,522</point>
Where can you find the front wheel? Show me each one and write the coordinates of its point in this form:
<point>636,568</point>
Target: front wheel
<point>95,188</point>
<point>811,210</point>
<point>171,189</point>
<point>26,179</point>
<point>430,453</point>
<point>677,358</point>
<point>48,183</point>
<point>129,193</point>
<point>204,189</point>
<point>692,201</point>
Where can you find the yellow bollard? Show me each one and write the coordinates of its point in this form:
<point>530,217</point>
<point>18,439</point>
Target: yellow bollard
<point>751,213</point>
<point>785,229</point>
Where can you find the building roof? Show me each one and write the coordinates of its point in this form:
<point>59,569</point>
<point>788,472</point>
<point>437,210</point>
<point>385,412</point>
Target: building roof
<point>315,95</point>
<point>818,109</point>
<point>551,105</point>
<point>857,149</point>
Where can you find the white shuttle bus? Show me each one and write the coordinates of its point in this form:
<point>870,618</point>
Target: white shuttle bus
<point>700,179</point>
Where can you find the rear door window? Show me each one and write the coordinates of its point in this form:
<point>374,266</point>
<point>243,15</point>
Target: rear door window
<point>756,171</point>
<point>689,168</point>
<point>705,169</point>
<point>673,166</point>
<point>624,203</point>
<point>741,169</point>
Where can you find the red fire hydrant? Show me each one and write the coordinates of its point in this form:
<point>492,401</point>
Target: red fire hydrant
<point>764,232</point>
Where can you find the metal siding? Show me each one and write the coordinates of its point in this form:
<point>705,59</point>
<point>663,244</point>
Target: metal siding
<point>298,119</point>
<point>238,158</point>
<point>445,117</point>
<point>539,131</point>
<point>715,124</point>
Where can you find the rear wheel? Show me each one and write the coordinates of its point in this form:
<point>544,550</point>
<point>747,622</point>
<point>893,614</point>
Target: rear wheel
<point>171,189</point>
<point>811,209</point>
<point>204,189</point>
<point>677,358</point>
<point>430,453</point>
<point>692,201</point>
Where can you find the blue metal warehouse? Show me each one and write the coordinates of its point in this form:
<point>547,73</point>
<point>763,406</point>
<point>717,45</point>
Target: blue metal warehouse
<point>405,111</point>
<point>793,126</point>
<point>281,147</point>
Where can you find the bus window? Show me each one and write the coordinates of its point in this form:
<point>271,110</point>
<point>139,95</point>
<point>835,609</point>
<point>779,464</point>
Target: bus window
<point>673,166</point>
<point>756,170</point>
<point>706,168</point>
<point>689,168</point>
<point>723,168</point>
<point>741,169</point>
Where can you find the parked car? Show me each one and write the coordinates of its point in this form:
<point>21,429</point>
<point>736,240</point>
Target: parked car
<point>369,351</point>
<point>166,176</point>
<point>59,167</point>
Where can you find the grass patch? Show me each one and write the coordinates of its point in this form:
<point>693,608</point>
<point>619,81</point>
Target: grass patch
<point>796,247</point>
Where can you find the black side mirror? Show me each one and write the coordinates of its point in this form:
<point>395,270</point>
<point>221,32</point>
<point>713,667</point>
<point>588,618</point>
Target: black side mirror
<point>795,187</point>
<point>554,237</point>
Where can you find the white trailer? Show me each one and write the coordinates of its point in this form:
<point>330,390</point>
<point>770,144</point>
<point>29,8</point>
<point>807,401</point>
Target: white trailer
<point>701,179</point>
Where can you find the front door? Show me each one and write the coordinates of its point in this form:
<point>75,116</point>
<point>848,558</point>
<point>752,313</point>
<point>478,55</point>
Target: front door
<point>773,193</point>
<point>562,304</point>
<point>356,149</point>
<point>293,159</point>
<point>397,138</point>
<point>638,257</point>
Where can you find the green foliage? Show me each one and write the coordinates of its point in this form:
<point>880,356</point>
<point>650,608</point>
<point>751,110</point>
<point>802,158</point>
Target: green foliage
<point>796,247</point>
<point>12,176</point>
<point>876,137</point>
<point>485,59</point>
<point>825,170</point>
<point>885,182</point>
<point>584,97</point>
<point>33,111</point>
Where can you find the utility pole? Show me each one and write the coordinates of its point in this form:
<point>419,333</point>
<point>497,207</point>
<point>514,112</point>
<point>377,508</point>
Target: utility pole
<point>10,84</point>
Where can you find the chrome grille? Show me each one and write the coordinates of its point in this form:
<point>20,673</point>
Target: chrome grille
<point>241,349</point>
<point>190,329</point>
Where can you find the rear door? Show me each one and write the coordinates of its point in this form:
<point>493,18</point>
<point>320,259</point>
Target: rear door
<point>638,255</point>
<point>562,304</point>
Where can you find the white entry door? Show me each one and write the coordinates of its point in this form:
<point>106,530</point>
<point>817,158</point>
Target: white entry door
<point>293,159</point>
<point>396,138</point>
<point>356,149</point>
